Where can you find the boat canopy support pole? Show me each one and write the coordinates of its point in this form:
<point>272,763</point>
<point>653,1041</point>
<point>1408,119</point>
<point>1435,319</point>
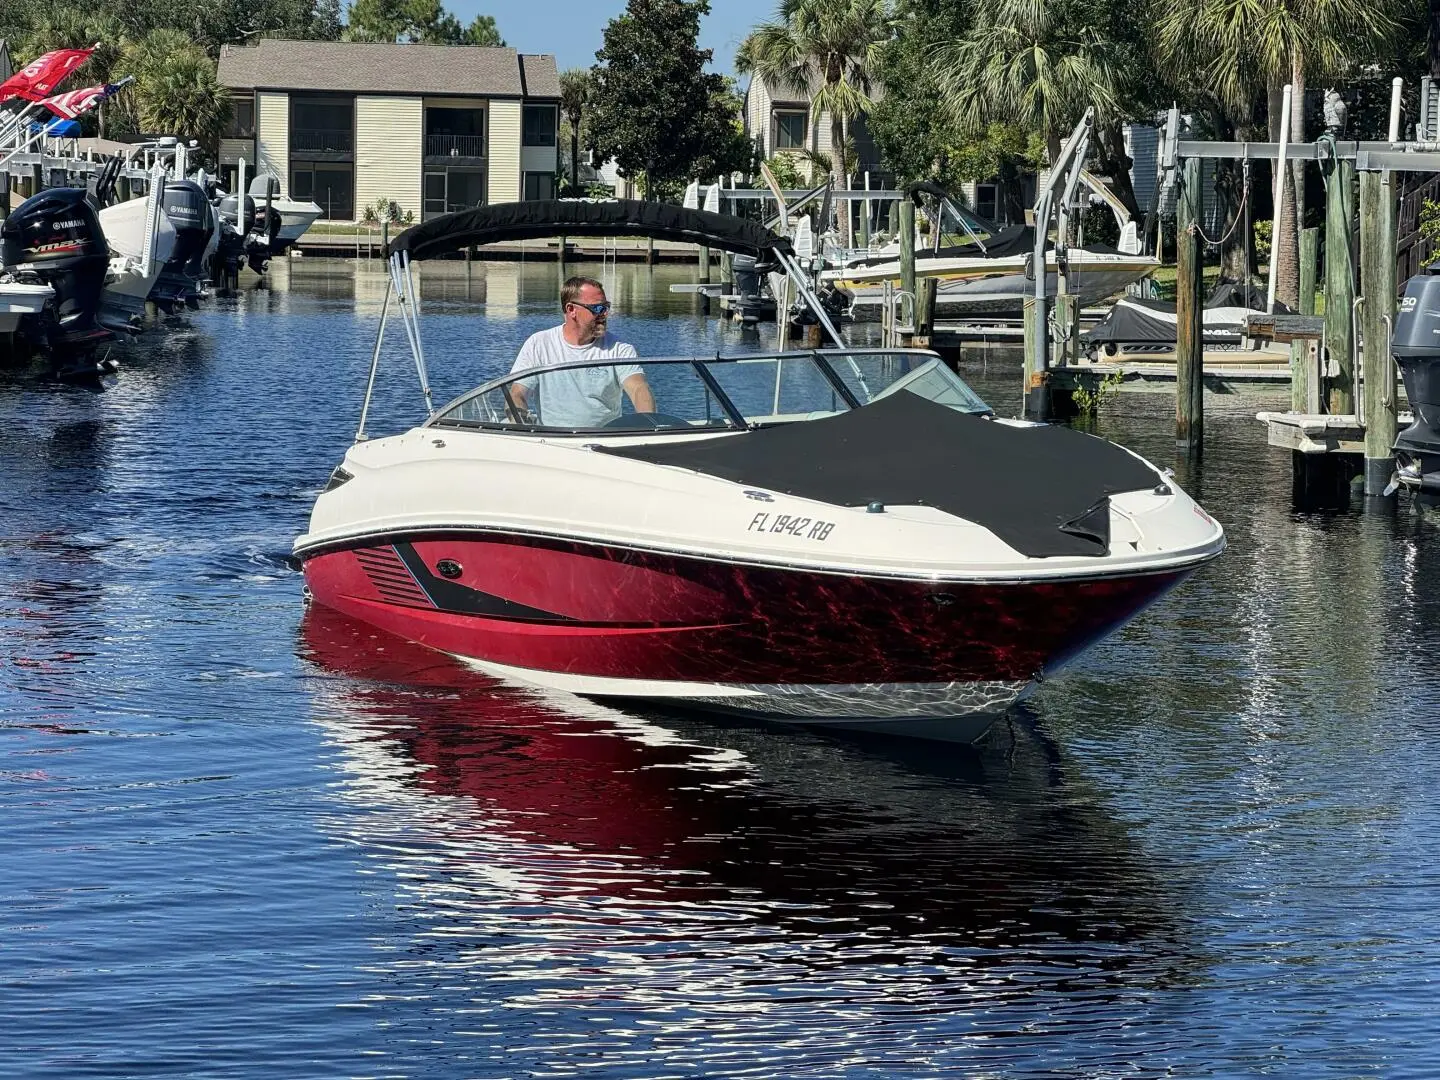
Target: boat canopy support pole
<point>374,362</point>
<point>402,280</point>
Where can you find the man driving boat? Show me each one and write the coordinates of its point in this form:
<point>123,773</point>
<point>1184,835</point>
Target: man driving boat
<point>579,397</point>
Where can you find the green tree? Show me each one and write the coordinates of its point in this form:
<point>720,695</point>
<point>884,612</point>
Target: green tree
<point>483,31</point>
<point>176,92</point>
<point>1245,47</point>
<point>653,107</point>
<point>424,21</point>
<point>575,87</point>
<point>827,50</point>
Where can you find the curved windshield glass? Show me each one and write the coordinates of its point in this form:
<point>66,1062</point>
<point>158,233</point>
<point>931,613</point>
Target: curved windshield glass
<point>680,394</point>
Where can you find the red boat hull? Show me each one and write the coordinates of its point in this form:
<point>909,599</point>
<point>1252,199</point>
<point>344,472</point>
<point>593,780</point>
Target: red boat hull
<point>613,613</point>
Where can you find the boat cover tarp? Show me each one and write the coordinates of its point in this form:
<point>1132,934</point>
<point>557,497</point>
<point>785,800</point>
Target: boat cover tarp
<point>1137,321</point>
<point>578,217</point>
<point>1043,490</point>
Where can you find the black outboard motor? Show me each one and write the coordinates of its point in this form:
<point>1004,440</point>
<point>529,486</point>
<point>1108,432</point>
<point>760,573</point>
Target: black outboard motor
<point>234,214</point>
<point>1416,348</point>
<point>189,212</point>
<point>750,302</point>
<point>54,238</point>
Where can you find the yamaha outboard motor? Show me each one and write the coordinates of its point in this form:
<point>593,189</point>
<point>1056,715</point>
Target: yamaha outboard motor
<point>54,238</point>
<point>1416,348</point>
<point>190,213</point>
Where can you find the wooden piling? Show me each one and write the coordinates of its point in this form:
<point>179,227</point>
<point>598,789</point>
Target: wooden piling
<point>925,312</point>
<point>1065,350</point>
<point>1189,274</point>
<point>1302,361</point>
<point>1377,285</point>
<point>907,247</point>
<point>1339,288</point>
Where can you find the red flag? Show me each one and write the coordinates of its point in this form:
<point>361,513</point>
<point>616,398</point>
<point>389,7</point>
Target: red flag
<point>74,102</point>
<point>38,79</point>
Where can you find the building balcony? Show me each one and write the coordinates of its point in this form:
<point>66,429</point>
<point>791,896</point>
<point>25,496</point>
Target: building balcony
<point>322,142</point>
<point>466,146</point>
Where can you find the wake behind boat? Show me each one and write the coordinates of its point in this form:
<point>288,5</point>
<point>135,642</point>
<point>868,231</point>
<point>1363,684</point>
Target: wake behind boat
<point>844,537</point>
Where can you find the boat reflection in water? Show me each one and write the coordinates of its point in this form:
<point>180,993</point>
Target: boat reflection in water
<point>585,856</point>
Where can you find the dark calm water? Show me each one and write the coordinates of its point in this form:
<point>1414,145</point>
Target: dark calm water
<point>240,840</point>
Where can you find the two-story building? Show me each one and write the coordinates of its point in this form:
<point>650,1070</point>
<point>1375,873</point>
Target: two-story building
<point>432,128</point>
<point>779,120</point>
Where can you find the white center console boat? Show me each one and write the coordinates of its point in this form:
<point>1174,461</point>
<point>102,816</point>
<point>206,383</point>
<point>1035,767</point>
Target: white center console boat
<point>843,537</point>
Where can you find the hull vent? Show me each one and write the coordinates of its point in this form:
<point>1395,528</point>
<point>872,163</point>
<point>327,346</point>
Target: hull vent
<point>391,578</point>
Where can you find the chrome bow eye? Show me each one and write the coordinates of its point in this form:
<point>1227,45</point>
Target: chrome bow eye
<point>449,568</point>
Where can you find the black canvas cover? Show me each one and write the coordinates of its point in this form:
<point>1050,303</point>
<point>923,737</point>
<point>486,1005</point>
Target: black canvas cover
<point>1150,324</point>
<point>578,217</point>
<point>1043,490</point>
<point>1133,321</point>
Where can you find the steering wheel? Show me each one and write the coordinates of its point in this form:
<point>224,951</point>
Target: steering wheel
<point>648,421</point>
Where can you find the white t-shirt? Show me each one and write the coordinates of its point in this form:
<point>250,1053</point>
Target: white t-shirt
<point>581,397</point>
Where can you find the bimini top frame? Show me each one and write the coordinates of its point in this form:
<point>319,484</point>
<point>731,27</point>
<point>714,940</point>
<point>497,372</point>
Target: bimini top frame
<point>545,218</point>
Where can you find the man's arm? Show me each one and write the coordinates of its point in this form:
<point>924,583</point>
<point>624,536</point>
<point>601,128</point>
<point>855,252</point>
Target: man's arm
<point>639,391</point>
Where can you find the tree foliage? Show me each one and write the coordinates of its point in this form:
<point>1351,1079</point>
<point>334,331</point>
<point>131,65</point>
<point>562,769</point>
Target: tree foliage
<point>575,89</point>
<point>828,51</point>
<point>424,21</point>
<point>654,108</point>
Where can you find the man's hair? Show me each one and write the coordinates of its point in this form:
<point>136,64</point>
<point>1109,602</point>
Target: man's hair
<point>570,291</point>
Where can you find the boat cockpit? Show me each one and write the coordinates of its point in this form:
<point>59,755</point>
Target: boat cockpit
<point>711,395</point>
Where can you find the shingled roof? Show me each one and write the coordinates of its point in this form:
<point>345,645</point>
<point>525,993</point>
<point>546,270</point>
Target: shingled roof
<point>360,67</point>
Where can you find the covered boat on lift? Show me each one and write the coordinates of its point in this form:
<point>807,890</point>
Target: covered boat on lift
<point>843,537</point>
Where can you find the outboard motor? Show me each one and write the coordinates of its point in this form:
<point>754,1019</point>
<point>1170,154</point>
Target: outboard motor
<point>54,238</point>
<point>234,217</point>
<point>1416,348</point>
<point>750,302</point>
<point>189,212</point>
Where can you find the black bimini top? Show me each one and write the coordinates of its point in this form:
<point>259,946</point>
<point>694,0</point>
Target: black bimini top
<point>1043,490</point>
<point>580,217</point>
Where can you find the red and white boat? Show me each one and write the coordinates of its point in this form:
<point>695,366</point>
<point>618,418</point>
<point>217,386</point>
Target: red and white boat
<point>842,537</point>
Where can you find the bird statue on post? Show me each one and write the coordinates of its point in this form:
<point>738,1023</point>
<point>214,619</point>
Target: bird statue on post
<point>1335,111</point>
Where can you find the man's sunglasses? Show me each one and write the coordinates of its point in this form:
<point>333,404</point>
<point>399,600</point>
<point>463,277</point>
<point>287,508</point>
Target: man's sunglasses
<point>595,309</point>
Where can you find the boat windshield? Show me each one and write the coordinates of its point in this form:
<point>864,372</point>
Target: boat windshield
<point>690,394</point>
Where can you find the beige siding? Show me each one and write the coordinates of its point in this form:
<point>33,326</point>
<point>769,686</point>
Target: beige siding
<point>504,184</point>
<point>272,135</point>
<point>232,150</point>
<point>757,113</point>
<point>389,134</point>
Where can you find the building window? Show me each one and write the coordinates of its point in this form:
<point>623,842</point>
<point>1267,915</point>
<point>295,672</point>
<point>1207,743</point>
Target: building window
<point>449,190</point>
<point>539,185</point>
<point>538,125</point>
<point>455,132</point>
<point>322,125</point>
<point>987,201</point>
<point>329,184</point>
<point>242,118</point>
<point>790,130</point>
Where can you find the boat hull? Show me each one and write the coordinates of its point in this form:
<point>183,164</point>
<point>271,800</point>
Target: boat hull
<point>907,655</point>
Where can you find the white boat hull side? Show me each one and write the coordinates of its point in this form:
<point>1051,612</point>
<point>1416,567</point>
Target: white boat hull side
<point>18,301</point>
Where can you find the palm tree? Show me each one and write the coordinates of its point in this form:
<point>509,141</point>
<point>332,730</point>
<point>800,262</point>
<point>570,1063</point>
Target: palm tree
<point>574,101</point>
<point>828,50</point>
<point>1245,47</point>
<point>176,89</point>
<point>1038,66</point>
